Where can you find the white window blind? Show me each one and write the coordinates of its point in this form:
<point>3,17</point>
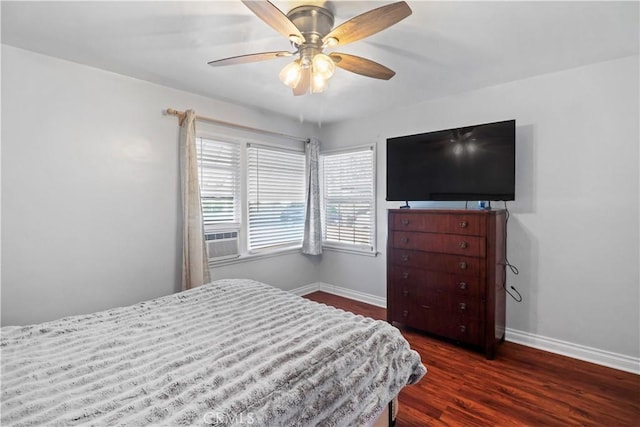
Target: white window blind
<point>349,199</point>
<point>276,196</point>
<point>219,170</point>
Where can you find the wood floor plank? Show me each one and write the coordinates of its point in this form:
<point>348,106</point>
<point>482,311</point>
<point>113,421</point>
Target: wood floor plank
<point>523,386</point>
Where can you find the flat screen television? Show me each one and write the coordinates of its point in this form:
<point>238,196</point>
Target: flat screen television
<point>467,163</point>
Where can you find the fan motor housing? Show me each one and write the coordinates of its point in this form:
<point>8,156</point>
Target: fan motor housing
<point>314,22</point>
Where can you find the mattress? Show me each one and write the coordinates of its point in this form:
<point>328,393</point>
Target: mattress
<point>233,352</point>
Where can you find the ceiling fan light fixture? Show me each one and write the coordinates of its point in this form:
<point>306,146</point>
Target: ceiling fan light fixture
<point>310,30</point>
<point>323,66</point>
<point>296,40</point>
<point>318,83</point>
<point>290,75</point>
<point>330,42</point>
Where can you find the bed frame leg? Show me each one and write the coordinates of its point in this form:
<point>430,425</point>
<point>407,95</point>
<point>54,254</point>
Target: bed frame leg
<point>391,422</point>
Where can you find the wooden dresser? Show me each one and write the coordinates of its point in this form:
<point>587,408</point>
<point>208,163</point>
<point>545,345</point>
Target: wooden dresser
<point>445,273</point>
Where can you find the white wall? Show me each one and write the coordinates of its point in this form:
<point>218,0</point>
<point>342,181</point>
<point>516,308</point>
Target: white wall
<point>574,228</point>
<point>90,197</point>
<point>90,207</point>
<point>290,271</point>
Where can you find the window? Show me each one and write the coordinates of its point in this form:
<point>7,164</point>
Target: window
<point>219,173</point>
<point>348,192</point>
<point>253,196</point>
<point>276,197</point>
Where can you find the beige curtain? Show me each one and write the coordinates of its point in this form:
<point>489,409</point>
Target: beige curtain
<point>195,266</point>
<point>312,239</point>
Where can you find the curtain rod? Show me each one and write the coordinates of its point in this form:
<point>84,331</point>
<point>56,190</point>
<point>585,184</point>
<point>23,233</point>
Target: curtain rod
<point>181,116</point>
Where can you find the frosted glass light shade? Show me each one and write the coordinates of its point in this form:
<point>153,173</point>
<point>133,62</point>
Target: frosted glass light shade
<point>291,74</point>
<point>330,42</point>
<point>318,83</point>
<point>323,66</point>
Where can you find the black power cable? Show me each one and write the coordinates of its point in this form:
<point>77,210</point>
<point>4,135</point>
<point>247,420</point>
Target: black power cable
<point>512,267</point>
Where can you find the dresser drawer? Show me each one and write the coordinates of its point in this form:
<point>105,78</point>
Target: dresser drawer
<point>445,243</point>
<point>439,301</point>
<point>468,224</point>
<point>407,287</point>
<point>416,282</point>
<point>455,264</point>
<point>436,300</point>
<point>438,292</point>
<point>465,309</point>
<point>436,321</point>
<point>466,331</point>
<point>424,317</point>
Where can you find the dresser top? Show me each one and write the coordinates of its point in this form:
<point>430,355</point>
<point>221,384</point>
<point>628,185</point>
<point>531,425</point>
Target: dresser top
<point>448,211</point>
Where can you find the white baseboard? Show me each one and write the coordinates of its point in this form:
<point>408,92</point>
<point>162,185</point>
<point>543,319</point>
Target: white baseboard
<point>354,295</point>
<point>575,351</point>
<point>552,345</point>
<point>341,292</point>
<point>306,289</point>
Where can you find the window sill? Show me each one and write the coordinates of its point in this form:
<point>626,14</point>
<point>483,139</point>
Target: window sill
<point>255,256</point>
<point>354,251</point>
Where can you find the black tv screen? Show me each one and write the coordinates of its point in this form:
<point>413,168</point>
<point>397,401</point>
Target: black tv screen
<point>468,163</point>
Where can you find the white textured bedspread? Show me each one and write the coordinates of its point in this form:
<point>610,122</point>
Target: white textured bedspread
<point>234,352</point>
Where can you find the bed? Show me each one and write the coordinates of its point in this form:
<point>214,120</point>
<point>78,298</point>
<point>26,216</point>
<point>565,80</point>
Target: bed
<point>232,352</point>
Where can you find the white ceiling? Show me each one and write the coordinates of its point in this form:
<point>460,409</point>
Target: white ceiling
<point>442,48</point>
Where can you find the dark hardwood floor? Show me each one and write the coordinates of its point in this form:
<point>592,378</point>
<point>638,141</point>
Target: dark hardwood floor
<point>521,387</point>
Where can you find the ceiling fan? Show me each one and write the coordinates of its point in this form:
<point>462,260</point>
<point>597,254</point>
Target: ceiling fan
<point>310,30</point>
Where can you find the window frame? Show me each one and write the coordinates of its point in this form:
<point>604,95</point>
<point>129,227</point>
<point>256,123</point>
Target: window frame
<point>267,141</point>
<point>246,201</point>
<point>368,250</point>
<point>238,197</point>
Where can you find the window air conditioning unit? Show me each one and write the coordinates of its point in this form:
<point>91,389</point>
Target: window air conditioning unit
<point>222,244</point>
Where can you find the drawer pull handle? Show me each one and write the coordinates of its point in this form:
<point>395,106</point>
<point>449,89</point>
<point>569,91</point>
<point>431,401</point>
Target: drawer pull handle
<point>405,293</point>
<point>463,224</point>
<point>426,307</point>
<point>463,245</point>
<point>462,306</point>
<point>405,258</point>
<point>404,240</point>
<point>405,313</point>
<point>405,221</point>
<point>463,286</point>
<point>405,275</point>
<point>463,328</point>
<point>463,265</point>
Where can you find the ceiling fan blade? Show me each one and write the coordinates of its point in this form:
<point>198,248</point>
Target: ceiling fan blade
<point>253,57</point>
<point>362,66</point>
<point>369,23</point>
<point>274,17</point>
<point>304,84</point>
